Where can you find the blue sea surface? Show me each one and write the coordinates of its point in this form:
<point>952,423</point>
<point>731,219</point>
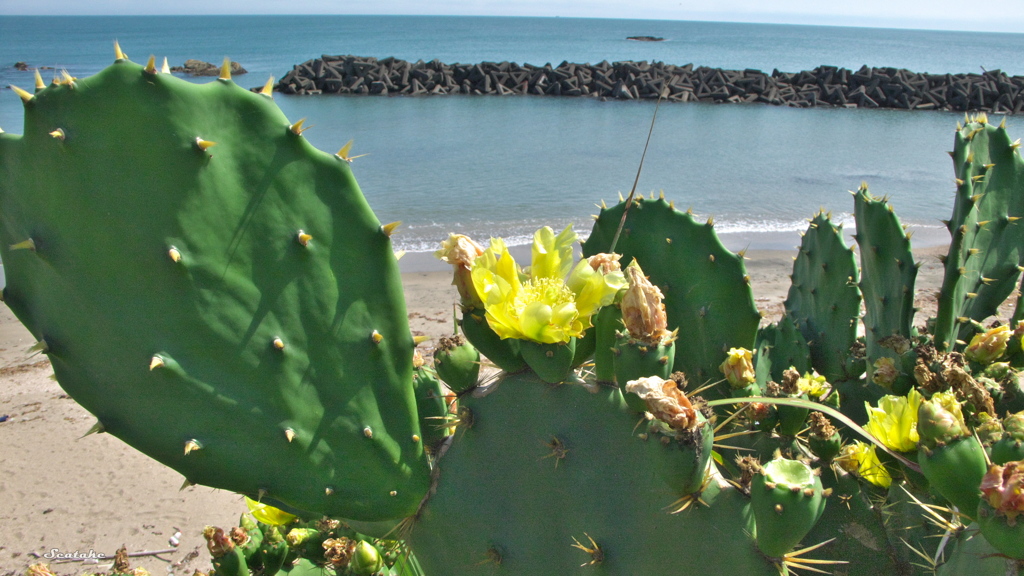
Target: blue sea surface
<point>503,166</point>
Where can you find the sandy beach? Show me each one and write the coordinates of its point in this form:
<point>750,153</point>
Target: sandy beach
<point>65,495</point>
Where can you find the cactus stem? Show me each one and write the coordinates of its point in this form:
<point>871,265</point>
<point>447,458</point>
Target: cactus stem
<point>289,434</point>
<point>376,337</point>
<point>25,96</point>
<point>302,238</point>
<point>150,65</point>
<point>29,244</point>
<point>204,145</point>
<point>97,428</point>
<point>118,54</point>
<point>58,134</point>
<point>368,432</point>
<point>155,362</point>
<point>165,69</point>
<point>278,344</point>
<point>192,445</point>
<point>40,85</point>
<point>389,228</point>
<point>225,70</point>
<point>268,88</point>
<point>297,128</point>
<point>174,254</point>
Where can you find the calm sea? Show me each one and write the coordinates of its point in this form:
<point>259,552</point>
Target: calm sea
<point>506,165</point>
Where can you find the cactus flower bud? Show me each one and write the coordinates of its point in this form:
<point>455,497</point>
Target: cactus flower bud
<point>738,367</point>
<point>366,560</point>
<point>665,401</point>
<point>460,251</point>
<point>643,312</point>
<point>988,346</point>
<point>297,536</point>
<point>941,420</point>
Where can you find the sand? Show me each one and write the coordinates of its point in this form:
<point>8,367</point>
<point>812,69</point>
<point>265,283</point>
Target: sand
<point>66,494</point>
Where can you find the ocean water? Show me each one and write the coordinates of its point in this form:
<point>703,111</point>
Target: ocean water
<point>503,166</point>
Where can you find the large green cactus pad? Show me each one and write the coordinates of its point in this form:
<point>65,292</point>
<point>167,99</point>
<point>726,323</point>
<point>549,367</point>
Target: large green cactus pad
<point>986,230</point>
<point>179,303</point>
<point>509,503</point>
<point>824,300</point>
<point>888,273</point>
<point>706,287</point>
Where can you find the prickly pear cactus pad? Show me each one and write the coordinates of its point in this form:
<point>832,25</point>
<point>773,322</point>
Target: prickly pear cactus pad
<point>232,310</point>
<point>706,289</point>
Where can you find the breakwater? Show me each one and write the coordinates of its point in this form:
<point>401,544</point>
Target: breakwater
<point>991,91</point>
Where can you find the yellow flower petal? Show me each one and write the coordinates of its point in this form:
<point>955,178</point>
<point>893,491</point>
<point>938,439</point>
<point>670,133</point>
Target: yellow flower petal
<point>552,255</point>
<point>268,514</point>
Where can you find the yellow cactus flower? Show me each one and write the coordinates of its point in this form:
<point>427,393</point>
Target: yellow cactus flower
<point>988,346</point>
<point>268,514</point>
<point>738,367</point>
<point>542,306</point>
<point>861,458</point>
<point>894,421</point>
<point>813,384</point>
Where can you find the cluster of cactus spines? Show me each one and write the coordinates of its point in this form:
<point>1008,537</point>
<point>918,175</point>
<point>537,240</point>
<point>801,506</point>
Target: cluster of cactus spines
<point>705,286</point>
<point>887,277</point>
<point>983,264</point>
<point>200,300</point>
<point>824,300</point>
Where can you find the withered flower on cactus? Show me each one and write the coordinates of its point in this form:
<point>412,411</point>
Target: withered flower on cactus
<point>665,401</point>
<point>885,372</point>
<point>218,543</point>
<point>460,251</point>
<point>338,551</point>
<point>738,367</point>
<point>643,312</point>
<point>1003,489</point>
<point>988,346</point>
<point>605,263</point>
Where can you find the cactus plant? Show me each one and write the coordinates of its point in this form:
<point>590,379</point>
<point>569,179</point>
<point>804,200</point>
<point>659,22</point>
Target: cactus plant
<point>199,299</point>
<point>249,295</point>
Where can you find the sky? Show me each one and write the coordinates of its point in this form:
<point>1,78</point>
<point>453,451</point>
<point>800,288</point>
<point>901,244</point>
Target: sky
<point>993,15</point>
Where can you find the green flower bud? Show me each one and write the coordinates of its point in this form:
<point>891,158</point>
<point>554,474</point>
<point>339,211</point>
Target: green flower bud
<point>366,560</point>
